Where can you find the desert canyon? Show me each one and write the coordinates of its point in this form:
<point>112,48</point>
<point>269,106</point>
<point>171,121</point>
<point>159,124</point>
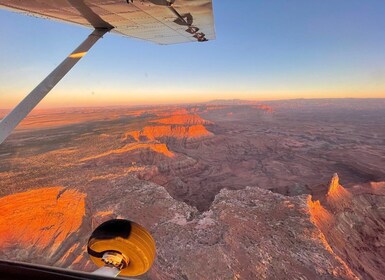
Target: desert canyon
<point>229,189</point>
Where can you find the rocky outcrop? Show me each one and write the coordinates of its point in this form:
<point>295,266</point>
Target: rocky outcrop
<point>155,147</point>
<point>170,131</point>
<point>188,119</point>
<point>337,196</point>
<point>353,224</point>
<point>241,236</point>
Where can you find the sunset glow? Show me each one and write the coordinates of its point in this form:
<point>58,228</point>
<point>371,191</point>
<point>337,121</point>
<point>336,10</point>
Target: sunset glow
<point>281,51</point>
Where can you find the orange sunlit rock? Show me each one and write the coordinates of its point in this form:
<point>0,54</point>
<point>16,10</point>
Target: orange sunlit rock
<point>133,134</point>
<point>324,221</point>
<point>337,195</point>
<point>40,218</point>
<point>188,119</point>
<point>319,215</point>
<point>264,107</point>
<point>173,131</point>
<point>162,149</point>
<point>156,147</point>
<point>347,220</point>
<point>104,213</point>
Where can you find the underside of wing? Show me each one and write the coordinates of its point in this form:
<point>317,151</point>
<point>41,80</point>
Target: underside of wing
<point>158,21</point>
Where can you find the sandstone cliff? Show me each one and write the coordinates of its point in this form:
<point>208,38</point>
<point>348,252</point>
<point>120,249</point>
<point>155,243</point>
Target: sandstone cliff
<point>246,234</point>
<point>353,223</point>
<point>188,119</point>
<point>170,131</point>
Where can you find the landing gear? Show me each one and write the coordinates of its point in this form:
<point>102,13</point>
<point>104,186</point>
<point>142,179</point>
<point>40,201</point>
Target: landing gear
<point>121,247</point>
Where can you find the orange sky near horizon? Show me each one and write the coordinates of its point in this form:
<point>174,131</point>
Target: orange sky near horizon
<point>60,99</point>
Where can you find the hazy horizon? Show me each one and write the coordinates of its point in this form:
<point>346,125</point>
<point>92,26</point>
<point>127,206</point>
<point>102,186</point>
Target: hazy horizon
<point>63,106</point>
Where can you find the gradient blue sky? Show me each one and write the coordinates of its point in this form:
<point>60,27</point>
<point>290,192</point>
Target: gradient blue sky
<point>264,50</point>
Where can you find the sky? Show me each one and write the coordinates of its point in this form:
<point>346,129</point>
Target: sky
<point>264,50</point>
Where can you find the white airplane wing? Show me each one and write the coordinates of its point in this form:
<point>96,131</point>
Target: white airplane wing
<point>158,21</point>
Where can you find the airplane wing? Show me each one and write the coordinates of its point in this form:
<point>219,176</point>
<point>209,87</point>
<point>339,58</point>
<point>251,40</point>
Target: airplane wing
<point>159,21</point>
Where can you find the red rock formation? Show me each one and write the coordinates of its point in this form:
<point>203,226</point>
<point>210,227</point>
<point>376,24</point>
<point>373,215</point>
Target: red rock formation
<point>337,195</point>
<point>187,119</point>
<point>40,219</point>
<point>264,107</point>
<point>156,147</point>
<point>170,131</point>
<point>353,226</point>
<point>319,215</point>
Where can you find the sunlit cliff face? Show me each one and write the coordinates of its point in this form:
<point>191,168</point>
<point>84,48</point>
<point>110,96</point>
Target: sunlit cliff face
<point>155,132</point>
<point>352,223</point>
<point>178,125</point>
<point>156,147</point>
<point>336,197</point>
<point>337,194</point>
<point>187,119</point>
<point>41,218</point>
<point>171,131</point>
<point>319,215</point>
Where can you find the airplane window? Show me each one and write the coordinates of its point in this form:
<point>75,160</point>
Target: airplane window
<point>201,139</point>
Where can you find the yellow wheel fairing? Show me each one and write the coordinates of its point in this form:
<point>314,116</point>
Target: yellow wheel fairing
<point>137,246</point>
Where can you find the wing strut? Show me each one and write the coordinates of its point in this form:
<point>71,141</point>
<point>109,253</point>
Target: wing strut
<point>8,123</point>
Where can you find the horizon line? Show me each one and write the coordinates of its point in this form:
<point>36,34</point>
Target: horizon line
<point>193,103</point>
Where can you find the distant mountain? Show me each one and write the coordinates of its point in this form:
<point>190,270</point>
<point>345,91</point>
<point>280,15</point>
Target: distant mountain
<point>356,104</point>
